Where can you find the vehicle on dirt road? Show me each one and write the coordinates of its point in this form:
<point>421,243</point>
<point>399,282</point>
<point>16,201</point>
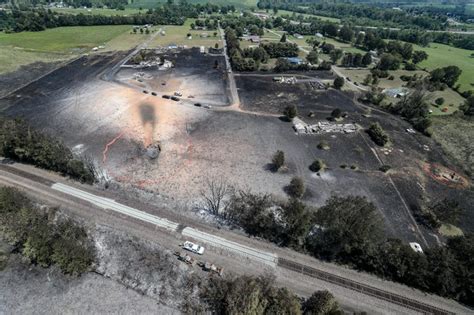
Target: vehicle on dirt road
<point>195,248</point>
<point>166,96</point>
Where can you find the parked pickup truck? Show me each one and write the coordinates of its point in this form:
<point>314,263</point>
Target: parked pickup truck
<point>195,248</point>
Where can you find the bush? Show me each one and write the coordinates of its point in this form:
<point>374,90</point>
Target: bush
<point>321,302</point>
<point>323,145</point>
<point>410,66</point>
<point>377,134</point>
<point>290,112</point>
<point>439,101</point>
<point>296,188</point>
<point>278,159</point>
<point>317,165</point>
<point>338,83</point>
<point>251,295</point>
<point>385,168</point>
<point>336,113</point>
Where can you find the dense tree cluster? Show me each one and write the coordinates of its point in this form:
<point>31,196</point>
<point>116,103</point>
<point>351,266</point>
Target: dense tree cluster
<point>40,19</point>
<point>356,60</point>
<point>349,230</point>
<point>415,109</point>
<point>21,143</point>
<point>258,295</point>
<point>361,14</point>
<point>468,106</point>
<point>448,75</point>
<point>39,238</point>
<point>377,134</point>
<point>210,24</point>
<point>280,49</point>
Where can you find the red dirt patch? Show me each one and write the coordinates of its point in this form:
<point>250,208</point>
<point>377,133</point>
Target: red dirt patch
<point>445,175</point>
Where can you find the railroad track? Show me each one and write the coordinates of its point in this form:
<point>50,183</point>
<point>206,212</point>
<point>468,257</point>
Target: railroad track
<point>220,242</point>
<point>362,288</point>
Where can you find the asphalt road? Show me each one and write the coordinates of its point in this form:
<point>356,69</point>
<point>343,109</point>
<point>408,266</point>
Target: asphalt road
<point>354,289</point>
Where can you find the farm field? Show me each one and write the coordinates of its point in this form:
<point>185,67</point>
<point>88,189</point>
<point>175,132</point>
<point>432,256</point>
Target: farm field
<point>324,18</point>
<point>443,55</point>
<point>62,43</point>
<point>98,11</point>
<point>344,46</point>
<point>72,39</point>
<point>146,4</point>
<point>177,35</point>
<point>23,57</point>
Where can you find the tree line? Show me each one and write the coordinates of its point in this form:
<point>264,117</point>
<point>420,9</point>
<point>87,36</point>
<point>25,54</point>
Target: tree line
<point>21,143</point>
<point>44,241</point>
<point>41,19</point>
<point>348,230</point>
<point>361,14</point>
<point>259,295</point>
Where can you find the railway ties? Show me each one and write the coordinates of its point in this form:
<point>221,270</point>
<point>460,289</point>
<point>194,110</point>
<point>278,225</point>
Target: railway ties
<point>362,288</point>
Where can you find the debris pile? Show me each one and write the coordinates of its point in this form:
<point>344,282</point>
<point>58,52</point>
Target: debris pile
<point>287,80</point>
<point>140,76</point>
<point>322,127</point>
<point>153,151</point>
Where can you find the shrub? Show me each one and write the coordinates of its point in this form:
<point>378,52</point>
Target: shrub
<point>290,112</point>
<point>385,168</point>
<point>317,165</point>
<point>338,83</point>
<point>377,134</point>
<point>278,159</point>
<point>439,101</point>
<point>336,113</point>
<point>323,145</point>
<point>296,188</point>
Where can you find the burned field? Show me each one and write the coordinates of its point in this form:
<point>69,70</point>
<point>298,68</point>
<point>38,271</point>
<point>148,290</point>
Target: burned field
<point>114,123</point>
<point>192,74</point>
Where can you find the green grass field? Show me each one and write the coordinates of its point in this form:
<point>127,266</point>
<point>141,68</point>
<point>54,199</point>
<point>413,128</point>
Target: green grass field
<point>146,4</point>
<point>324,18</point>
<point>443,55</point>
<point>62,43</point>
<point>96,11</point>
<point>177,35</point>
<point>63,39</point>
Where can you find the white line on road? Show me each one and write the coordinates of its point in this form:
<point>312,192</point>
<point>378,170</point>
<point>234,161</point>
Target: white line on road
<point>213,240</point>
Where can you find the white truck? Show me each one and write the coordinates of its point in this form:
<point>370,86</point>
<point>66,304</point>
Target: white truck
<point>195,248</point>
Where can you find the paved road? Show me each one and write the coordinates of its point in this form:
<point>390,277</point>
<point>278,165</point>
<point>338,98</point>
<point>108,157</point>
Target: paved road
<point>37,184</point>
<point>230,74</point>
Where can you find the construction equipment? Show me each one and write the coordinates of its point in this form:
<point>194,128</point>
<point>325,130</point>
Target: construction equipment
<point>185,258</point>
